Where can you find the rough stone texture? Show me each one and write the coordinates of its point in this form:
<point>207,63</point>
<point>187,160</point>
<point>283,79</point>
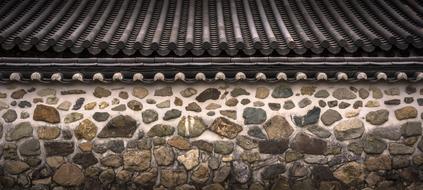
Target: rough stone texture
<point>173,178</point>
<point>278,127</point>
<point>191,127</point>
<point>378,117</point>
<point>254,116</point>
<point>46,113</point>
<point>48,133</point>
<point>282,91</point>
<point>86,130</point>
<point>21,130</point>
<point>58,148</point>
<point>189,159</point>
<point>350,172</point>
<point>68,175</point>
<point>149,116</point>
<point>208,94</point>
<point>305,144</point>
<point>120,126</point>
<point>161,130</point>
<point>330,116</point>
<point>273,146</point>
<point>136,160</point>
<point>311,117</point>
<point>225,127</point>
<point>343,94</point>
<point>349,129</point>
<point>407,112</point>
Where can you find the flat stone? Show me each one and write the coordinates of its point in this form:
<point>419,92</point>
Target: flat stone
<point>229,113</point>
<point>72,92</point>
<point>256,132</point>
<point>172,178</point>
<point>273,146</point>
<point>112,160</point>
<point>64,106</point>
<point>193,107</point>
<point>273,171</point>
<point>344,105</point>
<point>408,100</point>
<point>15,167</point>
<point>400,161</point>
<point>55,161</point>
<point>164,155</point>
<point>239,92</point>
<point>391,133</point>
<point>121,107</point>
<point>101,116</point>
<point>407,112</point>
<point>188,92</point>
<point>78,104</point>
<point>165,91</point>
<point>315,159</point>
<point>278,127</point>
<point>241,171</point>
<point>319,131</point>
<point>134,105</point>
<point>208,94</point>
<point>222,174</point>
<point>10,116</point>
<point>226,128</point>
<point>349,129</point>
<point>179,143</point>
<point>3,105</point>
<point>149,116</point>
<point>282,91</point>
<point>322,94</point>
<point>289,104</point>
<point>84,159</point>
<point>58,148</point>
<point>363,93</point>
<point>246,142</point>
<point>191,126</point>
<point>350,172</point>
<point>73,117</point>
<point>178,101</point>
<point>231,102</point>
<point>378,117</point>
<point>258,104</point>
<point>69,175</point>
<point>392,102</point>
<point>311,117</point>
<point>21,130</point>
<point>223,147</point>
<point>86,146</point>
<point>400,149</point>
<point>30,147</point>
<point>375,163</point>
<point>332,103</point>
<point>164,104</point>
<point>330,116</point>
<point>189,159</point>
<point>308,90</point>
<point>304,102</point>
<point>119,126</point>
<point>250,156</point>
<point>160,130</point>
<point>274,106</point>
<point>46,113</point>
<point>52,100</point>
<point>305,144</point>
<point>262,92</point>
<point>203,145</point>
<point>86,130</point>
<point>139,92</point>
<point>411,129</point>
<point>136,160</point>
<point>172,114</point>
<point>392,91</point>
<point>101,92</point>
<point>373,145</point>
<point>18,94</point>
<point>254,115</point>
<point>344,94</point>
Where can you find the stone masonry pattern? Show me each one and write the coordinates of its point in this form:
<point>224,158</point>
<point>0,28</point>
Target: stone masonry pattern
<point>211,136</point>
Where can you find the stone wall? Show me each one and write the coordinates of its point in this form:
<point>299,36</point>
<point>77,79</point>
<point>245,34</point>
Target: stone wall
<point>211,136</point>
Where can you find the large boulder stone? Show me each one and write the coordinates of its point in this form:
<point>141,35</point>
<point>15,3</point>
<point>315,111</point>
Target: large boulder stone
<point>46,113</point>
<point>391,133</point>
<point>86,130</point>
<point>378,117</point>
<point>208,94</point>
<point>191,126</point>
<point>69,175</point>
<point>119,126</point>
<point>225,128</point>
<point>349,129</point>
<point>137,160</point>
<point>254,115</point>
<point>21,130</point>
<point>305,144</point>
<point>330,116</point>
<point>278,127</point>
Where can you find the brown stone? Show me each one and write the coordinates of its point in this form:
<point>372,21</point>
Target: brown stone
<point>375,163</point>
<point>69,175</point>
<point>86,146</point>
<point>86,130</point>
<point>278,127</point>
<point>48,133</point>
<point>46,113</point>
<point>172,178</point>
<point>179,143</point>
<point>407,112</point>
<point>15,167</point>
<point>137,160</point>
<point>305,144</point>
<point>226,128</point>
<point>350,172</point>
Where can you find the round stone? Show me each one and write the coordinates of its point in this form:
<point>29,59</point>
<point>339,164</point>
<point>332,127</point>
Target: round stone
<point>282,91</point>
<point>378,117</point>
<point>164,155</point>
<point>172,114</point>
<point>149,116</point>
<point>101,92</point>
<point>20,131</point>
<point>135,105</point>
<point>68,175</point>
<point>407,112</point>
<point>111,160</point>
<point>191,126</point>
<point>330,116</point>
<point>262,92</point>
<point>139,92</point>
<point>193,107</point>
<point>188,92</point>
<point>322,94</point>
<point>30,147</point>
<point>223,147</point>
<point>101,116</point>
<point>10,116</point>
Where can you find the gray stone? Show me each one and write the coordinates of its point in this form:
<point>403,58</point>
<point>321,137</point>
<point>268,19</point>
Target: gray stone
<point>256,132</point>
<point>164,104</point>
<point>136,160</point>
<point>10,116</point>
<point>304,102</point>
<point>221,174</point>
<point>172,114</point>
<point>72,117</point>
<point>24,104</point>
<point>107,176</point>
<point>322,94</point>
<point>101,116</point>
<point>289,104</point>
<point>245,101</point>
<point>68,175</point>
<point>400,149</point>
<point>282,91</point>
<point>343,94</point>
<point>411,129</point>
<point>278,127</point>
<point>223,147</point>
<point>344,105</point>
<point>392,91</point>
<point>305,144</point>
<point>316,159</point>
<point>239,92</point>
<point>200,174</point>
<point>139,92</point>
<point>101,92</point>
<point>311,117</point>
<point>373,145</point>
<point>188,92</point>
<point>21,130</point>
<point>407,112</point>
<point>135,105</point>
<point>203,145</point>
<point>193,107</point>
<point>254,115</point>
<point>378,117</point>
<point>224,127</point>
<point>149,116</point>
<point>192,126</point>
<point>246,142</point>
<point>121,107</point>
<point>58,148</point>
<point>319,131</point>
<point>363,93</point>
<point>160,130</point>
<point>85,159</point>
<point>273,171</point>
<point>124,95</point>
<point>391,133</point>
<point>165,91</point>
<point>241,171</point>
<point>78,104</point>
<point>18,94</point>
<point>332,103</point>
<point>64,106</point>
<point>330,116</point>
<point>400,162</point>
<point>52,100</point>
<point>30,147</point>
<point>274,106</point>
<point>273,146</point>
<point>15,167</point>
<point>116,146</point>
<point>408,100</point>
<point>349,129</point>
<point>119,126</point>
<point>208,94</point>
